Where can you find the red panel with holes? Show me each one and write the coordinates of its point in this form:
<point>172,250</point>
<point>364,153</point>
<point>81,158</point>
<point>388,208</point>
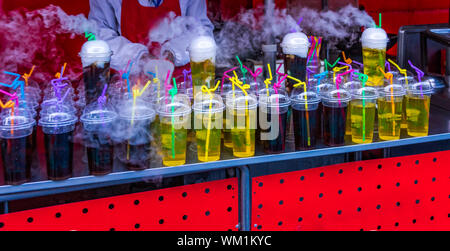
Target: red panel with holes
<point>406,193</point>
<point>206,206</point>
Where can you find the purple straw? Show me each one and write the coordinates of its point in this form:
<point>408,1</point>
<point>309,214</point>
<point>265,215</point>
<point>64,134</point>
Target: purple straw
<point>420,73</point>
<point>388,66</point>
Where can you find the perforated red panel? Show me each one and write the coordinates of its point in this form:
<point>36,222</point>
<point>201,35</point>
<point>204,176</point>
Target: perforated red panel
<point>407,193</point>
<point>206,206</point>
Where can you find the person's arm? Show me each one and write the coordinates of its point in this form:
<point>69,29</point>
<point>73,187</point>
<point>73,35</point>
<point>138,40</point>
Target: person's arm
<point>105,14</point>
<point>178,47</point>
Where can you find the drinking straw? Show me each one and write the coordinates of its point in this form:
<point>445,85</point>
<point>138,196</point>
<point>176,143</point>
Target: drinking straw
<point>331,65</point>
<point>243,70</point>
<point>420,74</point>
<point>26,76</point>
<point>312,51</point>
<point>187,74</point>
<point>89,35</point>
<point>172,94</point>
<point>364,78</point>
<point>208,130</point>
<point>319,47</point>
<point>166,86</point>
<point>298,24</point>
<point>390,77</point>
<point>336,70</point>
<point>102,99</point>
<point>268,81</point>
<point>9,104</point>
<point>60,74</point>
<point>126,77</point>
<point>225,74</point>
<point>300,83</point>
<point>379,25</point>
<point>349,68</point>
<point>319,78</point>
<point>279,74</point>
<point>277,86</point>
<point>402,71</point>
<point>388,66</point>
<point>15,84</point>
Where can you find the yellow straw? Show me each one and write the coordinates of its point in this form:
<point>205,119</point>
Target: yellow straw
<point>402,71</point>
<point>238,83</point>
<point>390,77</point>
<point>269,80</point>
<point>208,132</point>
<point>300,83</point>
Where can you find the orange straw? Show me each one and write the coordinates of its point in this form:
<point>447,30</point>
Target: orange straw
<point>27,76</point>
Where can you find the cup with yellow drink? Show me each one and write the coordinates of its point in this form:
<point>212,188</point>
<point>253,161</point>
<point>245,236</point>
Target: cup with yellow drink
<point>374,42</point>
<point>390,109</point>
<point>418,101</point>
<point>202,52</point>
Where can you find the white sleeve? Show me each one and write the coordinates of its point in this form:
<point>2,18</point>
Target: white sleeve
<point>104,14</point>
<point>198,10</point>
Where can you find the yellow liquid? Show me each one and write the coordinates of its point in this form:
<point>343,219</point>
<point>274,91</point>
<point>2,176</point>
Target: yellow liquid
<point>173,156</point>
<point>404,122</point>
<point>418,115</point>
<point>212,136</point>
<point>203,73</point>
<point>389,125</point>
<point>227,139</point>
<point>374,58</point>
<point>243,133</point>
<point>358,117</point>
<point>155,128</point>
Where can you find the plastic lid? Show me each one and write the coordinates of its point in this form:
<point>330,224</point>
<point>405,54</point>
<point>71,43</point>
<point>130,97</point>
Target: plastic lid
<point>296,44</point>
<point>22,111</point>
<point>94,115</point>
<point>365,93</point>
<point>393,90</point>
<point>336,96</point>
<point>280,99</point>
<point>17,126</point>
<point>202,48</point>
<point>52,104</point>
<point>323,89</point>
<point>239,101</point>
<point>180,106</point>
<point>203,103</point>
<point>374,38</point>
<point>353,86</point>
<point>300,97</point>
<point>57,116</point>
<point>95,50</point>
<point>141,111</point>
<point>421,88</point>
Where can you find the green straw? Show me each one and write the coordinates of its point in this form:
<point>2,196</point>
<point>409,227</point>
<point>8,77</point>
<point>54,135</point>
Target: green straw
<point>243,70</point>
<point>172,94</point>
<point>331,65</point>
<point>363,78</point>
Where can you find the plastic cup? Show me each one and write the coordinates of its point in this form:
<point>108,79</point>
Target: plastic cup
<point>374,43</point>
<point>208,123</point>
<point>134,134</point>
<point>295,49</point>
<point>273,119</point>
<point>418,100</point>
<point>95,57</point>
<point>306,119</point>
<point>363,111</point>
<point>15,145</point>
<point>175,120</point>
<point>98,122</point>
<point>243,120</point>
<point>352,87</point>
<point>226,131</point>
<point>322,90</point>
<point>335,108</point>
<point>390,109</point>
<point>58,125</point>
<point>202,51</point>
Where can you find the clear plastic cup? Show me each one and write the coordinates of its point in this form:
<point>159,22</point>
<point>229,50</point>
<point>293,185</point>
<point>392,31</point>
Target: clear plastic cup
<point>95,57</point>
<point>295,49</point>
<point>374,43</point>
<point>98,123</point>
<point>208,123</point>
<point>227,139</point>
<point>335,108</point>
<point>418,101</point>
<point>175,120</point>
<point>273,119</point>
<point>305,111</point>
<point>242,110</point>
<point>58,125</point>
<point>134,134</point>
<point>352,87</point>
<point>15,131</point>
<point>390,109</point>
<point>363,111</point>
<point>202,51</point>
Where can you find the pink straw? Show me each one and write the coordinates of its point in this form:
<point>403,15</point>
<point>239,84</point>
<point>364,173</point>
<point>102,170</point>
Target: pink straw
<point>167,86</point>
<point>225,74</point>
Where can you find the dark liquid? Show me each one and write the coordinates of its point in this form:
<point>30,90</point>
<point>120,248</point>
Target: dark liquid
<point>294,66</point>
<point>16,160</point>
<point>304,121</point>
<point>277,145</point>
<point>334,121</point>
<point>100,153</point>
<point>137,157</point>
<point>320,122</point>
<point>59,154</point>
<point>95,79</point>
